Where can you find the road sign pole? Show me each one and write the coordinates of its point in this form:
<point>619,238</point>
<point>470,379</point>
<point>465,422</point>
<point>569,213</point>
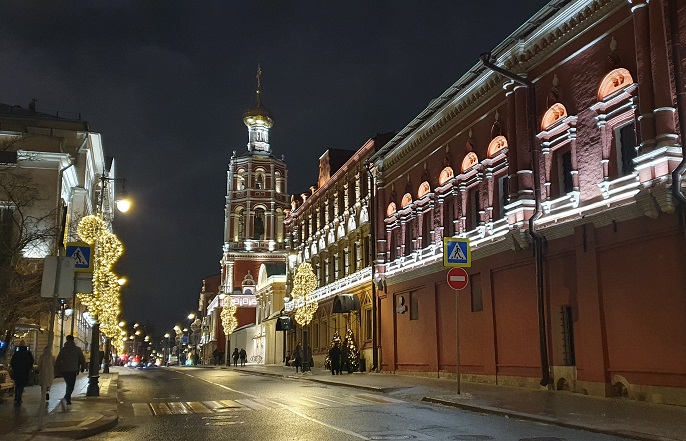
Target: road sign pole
<point>457,337</point>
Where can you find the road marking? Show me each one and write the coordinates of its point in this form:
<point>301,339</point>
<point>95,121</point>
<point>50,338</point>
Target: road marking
<point>315,401</point>
<point>179,408</point>
<point>160,409</point>
<point>229,403</point>
<point>339,429</point>
<point>197,407</point>
<point>141,409</point>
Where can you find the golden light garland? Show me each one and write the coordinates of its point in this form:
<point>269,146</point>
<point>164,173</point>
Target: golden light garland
<point>104,303</point>
<point>304,283</point>
<point>228,316</point>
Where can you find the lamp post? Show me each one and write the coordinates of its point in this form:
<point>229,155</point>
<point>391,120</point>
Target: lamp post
<point>166,350</point>
<point>107,250</point>
<point>64,312</point>
<point>195,329</point>
<point>229,322</point>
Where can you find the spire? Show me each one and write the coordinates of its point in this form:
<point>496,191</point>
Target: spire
<point>258,119</point>
<point>259,87</point>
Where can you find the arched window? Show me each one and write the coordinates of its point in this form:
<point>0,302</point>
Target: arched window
<point>391,209</point>
<point>424,188</point>
<point>279,182</point>
<point>469,161</point>
<point>258,225</point>
<point>613,81</point>
<point>240,180</point>
<point>446,175</point>
<point>555,113</point>
<point>238,224</point>
<point>407,200</point>
<point>259,179</point>
<point>279,225</point>
<point>497,144</point>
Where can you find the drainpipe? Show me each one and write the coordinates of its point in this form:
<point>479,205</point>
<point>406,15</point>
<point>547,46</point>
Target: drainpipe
<point>681,107</point>
<point>537,237</point>
<point>372,239</point>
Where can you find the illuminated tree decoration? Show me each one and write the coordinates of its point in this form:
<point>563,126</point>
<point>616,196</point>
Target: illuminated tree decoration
<point>304,283</point>
<point>228,316</point>
<point>105,302</point>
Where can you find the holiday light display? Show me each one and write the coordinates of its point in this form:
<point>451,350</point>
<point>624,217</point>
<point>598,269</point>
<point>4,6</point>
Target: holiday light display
<point>105,301</point>
<point>228,316</point>
<point>304,283</point>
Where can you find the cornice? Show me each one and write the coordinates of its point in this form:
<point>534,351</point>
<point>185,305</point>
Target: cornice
<point>520,52</point>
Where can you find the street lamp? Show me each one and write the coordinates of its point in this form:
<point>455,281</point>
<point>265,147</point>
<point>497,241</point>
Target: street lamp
<point>104,302</point>
<point>166,350</point>
<point>63,312</point>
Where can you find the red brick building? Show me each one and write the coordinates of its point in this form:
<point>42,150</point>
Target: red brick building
<point>555,156</point>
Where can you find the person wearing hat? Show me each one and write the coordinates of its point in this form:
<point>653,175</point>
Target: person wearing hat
<point>21,363</point>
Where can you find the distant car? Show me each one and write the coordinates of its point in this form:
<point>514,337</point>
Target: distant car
<point>173,360</point>
<point>134,361</point>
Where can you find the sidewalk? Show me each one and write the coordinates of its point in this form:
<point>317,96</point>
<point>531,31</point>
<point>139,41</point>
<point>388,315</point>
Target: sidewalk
<point>88,415</point>
<point>613,416</point>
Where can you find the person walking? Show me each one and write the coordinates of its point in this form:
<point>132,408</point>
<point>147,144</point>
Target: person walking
<point>46,372</point>
<point>244,356</point>
<point>69,362</point>
<point>335,358</point>
<point>298,354</point>
<point>235,356</point>
<point>21,363</point>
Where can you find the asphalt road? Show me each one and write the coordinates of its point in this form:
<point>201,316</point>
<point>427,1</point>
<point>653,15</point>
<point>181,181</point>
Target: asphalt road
<point>204,404</point>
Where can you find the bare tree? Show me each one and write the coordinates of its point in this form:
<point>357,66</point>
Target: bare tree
<point>27,231</point>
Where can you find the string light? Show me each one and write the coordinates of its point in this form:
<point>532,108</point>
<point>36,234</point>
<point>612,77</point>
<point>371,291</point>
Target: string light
<point>228,316</point>
<point>105,301</point>
<point>304,283</point>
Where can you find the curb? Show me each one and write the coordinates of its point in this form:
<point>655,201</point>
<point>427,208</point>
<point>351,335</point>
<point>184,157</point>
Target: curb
<point>543,419</point>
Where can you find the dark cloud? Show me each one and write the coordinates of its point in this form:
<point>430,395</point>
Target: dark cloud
<point>166,84</point>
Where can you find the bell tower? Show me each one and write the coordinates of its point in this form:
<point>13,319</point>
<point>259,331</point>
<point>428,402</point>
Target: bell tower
<point>256,197</point>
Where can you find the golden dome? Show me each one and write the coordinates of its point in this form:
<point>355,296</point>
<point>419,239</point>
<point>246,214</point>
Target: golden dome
<point>258,115</point>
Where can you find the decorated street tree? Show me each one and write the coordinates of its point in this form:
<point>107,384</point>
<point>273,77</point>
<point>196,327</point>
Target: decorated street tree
<point>351,356</point>
<point>306,306</point>
<point>304,283</point>
<point>229,322</point>
<point>104,303</point>
<point>336,340</point>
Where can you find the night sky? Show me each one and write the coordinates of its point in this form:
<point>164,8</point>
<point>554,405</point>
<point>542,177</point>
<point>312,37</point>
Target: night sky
<point>166,83</point>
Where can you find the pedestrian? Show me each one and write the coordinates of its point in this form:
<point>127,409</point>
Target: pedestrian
<point>244,356</point>
<point>215,354</point>
<point>335,358</point>
<point>310,360</point>
<point>70,361</point>
<point>46,370</point>
<point>298,354</point>
<point>21,364</point>
<point>235,356</point>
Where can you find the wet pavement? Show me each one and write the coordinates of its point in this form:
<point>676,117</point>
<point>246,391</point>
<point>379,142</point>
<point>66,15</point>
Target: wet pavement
<point>613,416</point>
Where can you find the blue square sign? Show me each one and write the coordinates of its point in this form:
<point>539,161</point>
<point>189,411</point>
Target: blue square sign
<point>82,254</point>
<point>456,252</point>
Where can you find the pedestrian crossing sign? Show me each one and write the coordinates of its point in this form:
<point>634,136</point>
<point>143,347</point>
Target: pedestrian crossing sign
<point>456,252</point>
<point>82,254</point>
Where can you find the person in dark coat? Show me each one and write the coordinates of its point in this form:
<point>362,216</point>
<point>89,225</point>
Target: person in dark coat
<point>244,356</point>
<point>21,363</point>
<point>298,357</point>
<point>70,361</point>
<point>335,358</point>
<point>235,356</point>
